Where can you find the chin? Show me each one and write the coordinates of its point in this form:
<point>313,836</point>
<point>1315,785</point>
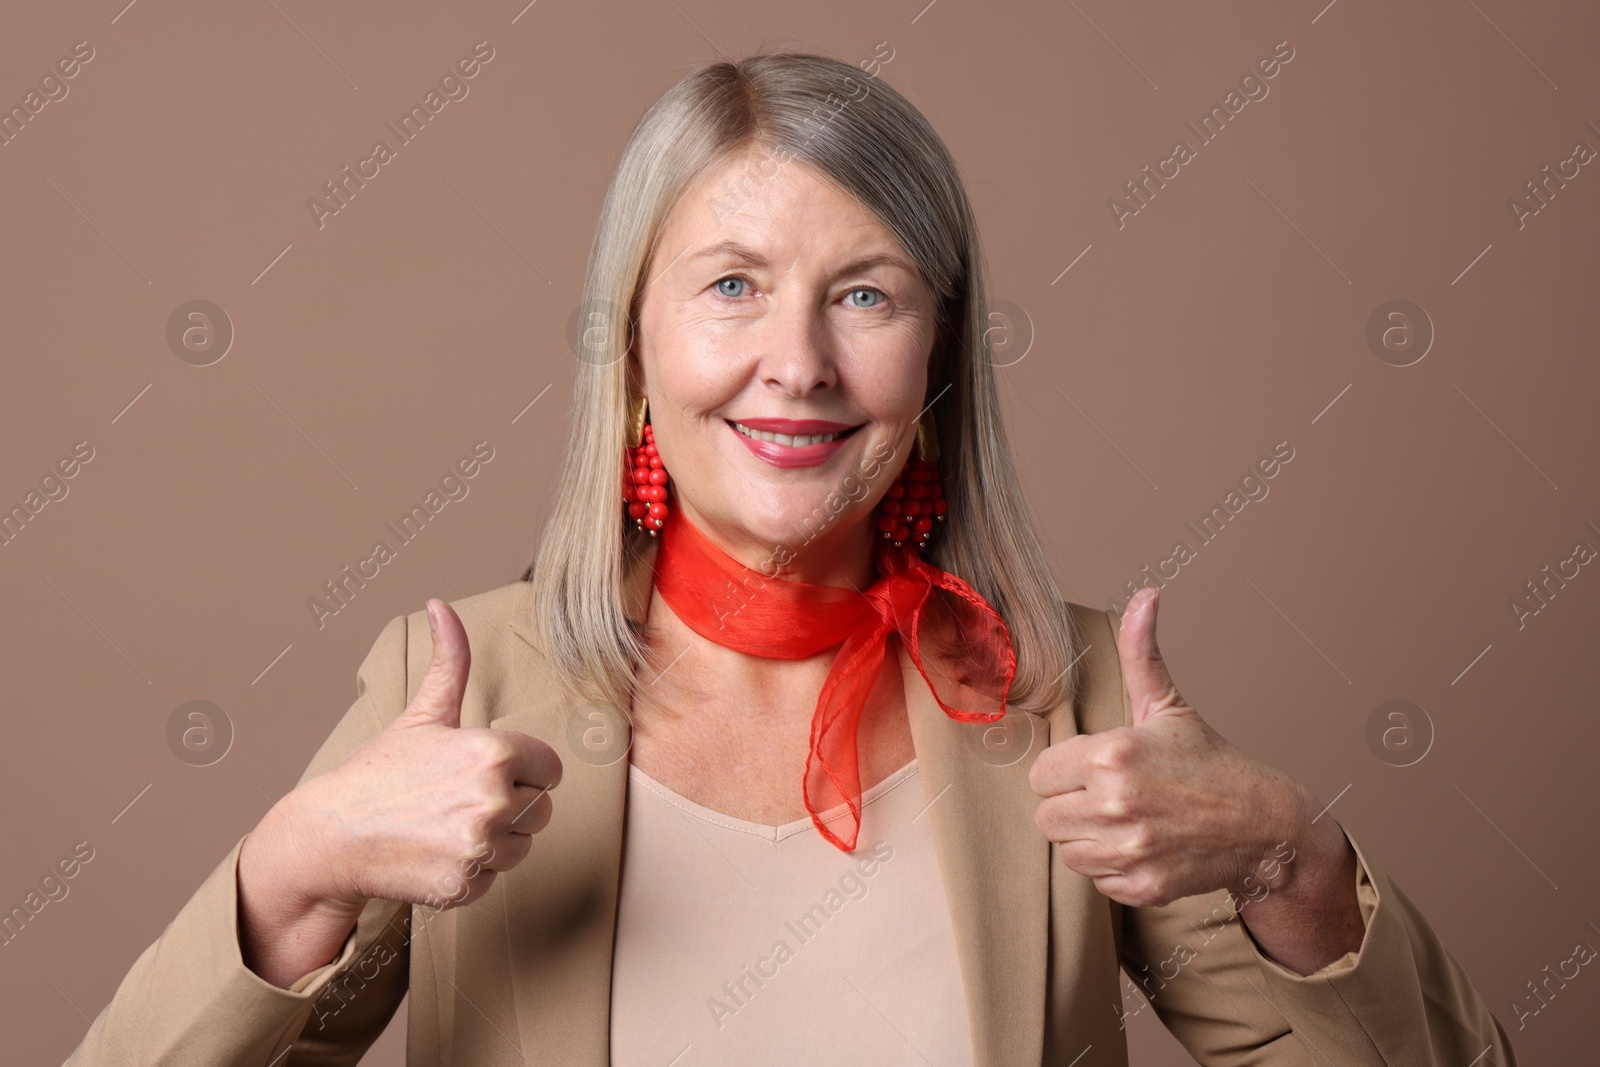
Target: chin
<point>793,524</point>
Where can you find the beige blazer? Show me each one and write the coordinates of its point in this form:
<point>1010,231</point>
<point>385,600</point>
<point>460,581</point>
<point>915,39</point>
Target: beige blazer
<point>522,975</point>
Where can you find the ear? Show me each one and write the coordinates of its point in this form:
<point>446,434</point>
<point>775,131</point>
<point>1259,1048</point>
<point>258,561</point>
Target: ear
<point>937,359</point>
<point>634,368</point>
<point>633,376</point>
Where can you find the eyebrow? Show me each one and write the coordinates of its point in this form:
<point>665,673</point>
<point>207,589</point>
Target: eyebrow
<point>749,255</point>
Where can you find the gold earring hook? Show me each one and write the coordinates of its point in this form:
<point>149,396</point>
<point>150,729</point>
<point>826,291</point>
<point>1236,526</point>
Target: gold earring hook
<point>638,410</point>
<point>927,438</point>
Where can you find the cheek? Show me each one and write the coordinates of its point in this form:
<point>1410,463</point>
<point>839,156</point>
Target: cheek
<point>692,382</point>
<point>694,363</point>
<point>892,386</point>
<point>700,378</point>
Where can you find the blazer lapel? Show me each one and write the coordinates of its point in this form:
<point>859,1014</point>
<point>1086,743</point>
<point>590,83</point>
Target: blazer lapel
<point>995,866</point>
<point>561,902</point>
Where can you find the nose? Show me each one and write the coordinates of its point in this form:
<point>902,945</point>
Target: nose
<point>799,352</point>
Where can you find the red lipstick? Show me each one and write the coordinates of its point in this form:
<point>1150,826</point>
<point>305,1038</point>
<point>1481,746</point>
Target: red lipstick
<point>794,426</point>
<point>781,455</point>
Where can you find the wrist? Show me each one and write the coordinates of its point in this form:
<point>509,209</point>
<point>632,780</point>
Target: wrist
<point>1286,839</point>
<point>293,850</point>
<point>1312,916</point>
<point>287,927</point>
<point>1309,857</point>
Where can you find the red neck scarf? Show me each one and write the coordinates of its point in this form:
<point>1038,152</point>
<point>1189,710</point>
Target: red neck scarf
<point>943,622</point>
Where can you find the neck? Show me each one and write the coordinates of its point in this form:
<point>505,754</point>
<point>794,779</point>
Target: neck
<point>774,690</point>
<point>838,555</point>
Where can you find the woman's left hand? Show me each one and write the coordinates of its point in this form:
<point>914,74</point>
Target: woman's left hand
<point>1168,808</point>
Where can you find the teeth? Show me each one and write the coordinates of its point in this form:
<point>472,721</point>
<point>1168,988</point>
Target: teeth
<point>784,439</point>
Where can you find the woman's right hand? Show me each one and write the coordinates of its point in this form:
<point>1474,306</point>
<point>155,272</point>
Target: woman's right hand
<point>425,812</point>
<point>428,812</point>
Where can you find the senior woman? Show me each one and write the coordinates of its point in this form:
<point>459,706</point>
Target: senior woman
<point>788,751</point>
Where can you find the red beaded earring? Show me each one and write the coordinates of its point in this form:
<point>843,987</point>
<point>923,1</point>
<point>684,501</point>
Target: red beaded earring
<point>644,479</point>
<point>915,500</point>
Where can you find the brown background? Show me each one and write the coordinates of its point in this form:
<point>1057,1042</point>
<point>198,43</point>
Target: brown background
<point>1229,315</point>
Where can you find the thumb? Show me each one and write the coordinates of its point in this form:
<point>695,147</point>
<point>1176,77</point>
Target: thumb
<point>1144,673</point>
<point>438,699</point>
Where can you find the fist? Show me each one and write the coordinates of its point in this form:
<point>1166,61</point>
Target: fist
<point>428,812</point>
<point>1164,808</point>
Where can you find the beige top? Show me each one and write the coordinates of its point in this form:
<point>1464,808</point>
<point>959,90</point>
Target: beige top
<point>741,943</point>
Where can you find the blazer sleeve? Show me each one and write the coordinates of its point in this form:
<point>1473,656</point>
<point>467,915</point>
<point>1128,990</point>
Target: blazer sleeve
<point>189,999</point>
<point>1399,999</point>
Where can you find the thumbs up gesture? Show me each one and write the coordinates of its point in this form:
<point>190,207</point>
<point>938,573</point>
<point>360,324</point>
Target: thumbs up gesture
<point>428,811</point>
<point>1166,808</point>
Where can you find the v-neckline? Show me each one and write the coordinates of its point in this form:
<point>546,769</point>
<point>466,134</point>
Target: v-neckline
<point>770,832</point>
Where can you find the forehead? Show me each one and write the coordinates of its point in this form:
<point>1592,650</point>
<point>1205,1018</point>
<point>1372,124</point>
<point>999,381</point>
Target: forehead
<point>776,205</point>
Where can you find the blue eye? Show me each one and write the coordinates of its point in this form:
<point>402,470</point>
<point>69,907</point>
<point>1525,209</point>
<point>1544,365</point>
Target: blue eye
<point>740,285</point>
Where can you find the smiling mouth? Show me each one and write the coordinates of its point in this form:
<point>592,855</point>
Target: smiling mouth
<point>788,440</point>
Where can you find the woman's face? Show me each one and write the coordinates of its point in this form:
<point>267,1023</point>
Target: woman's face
<point>787,308</point>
